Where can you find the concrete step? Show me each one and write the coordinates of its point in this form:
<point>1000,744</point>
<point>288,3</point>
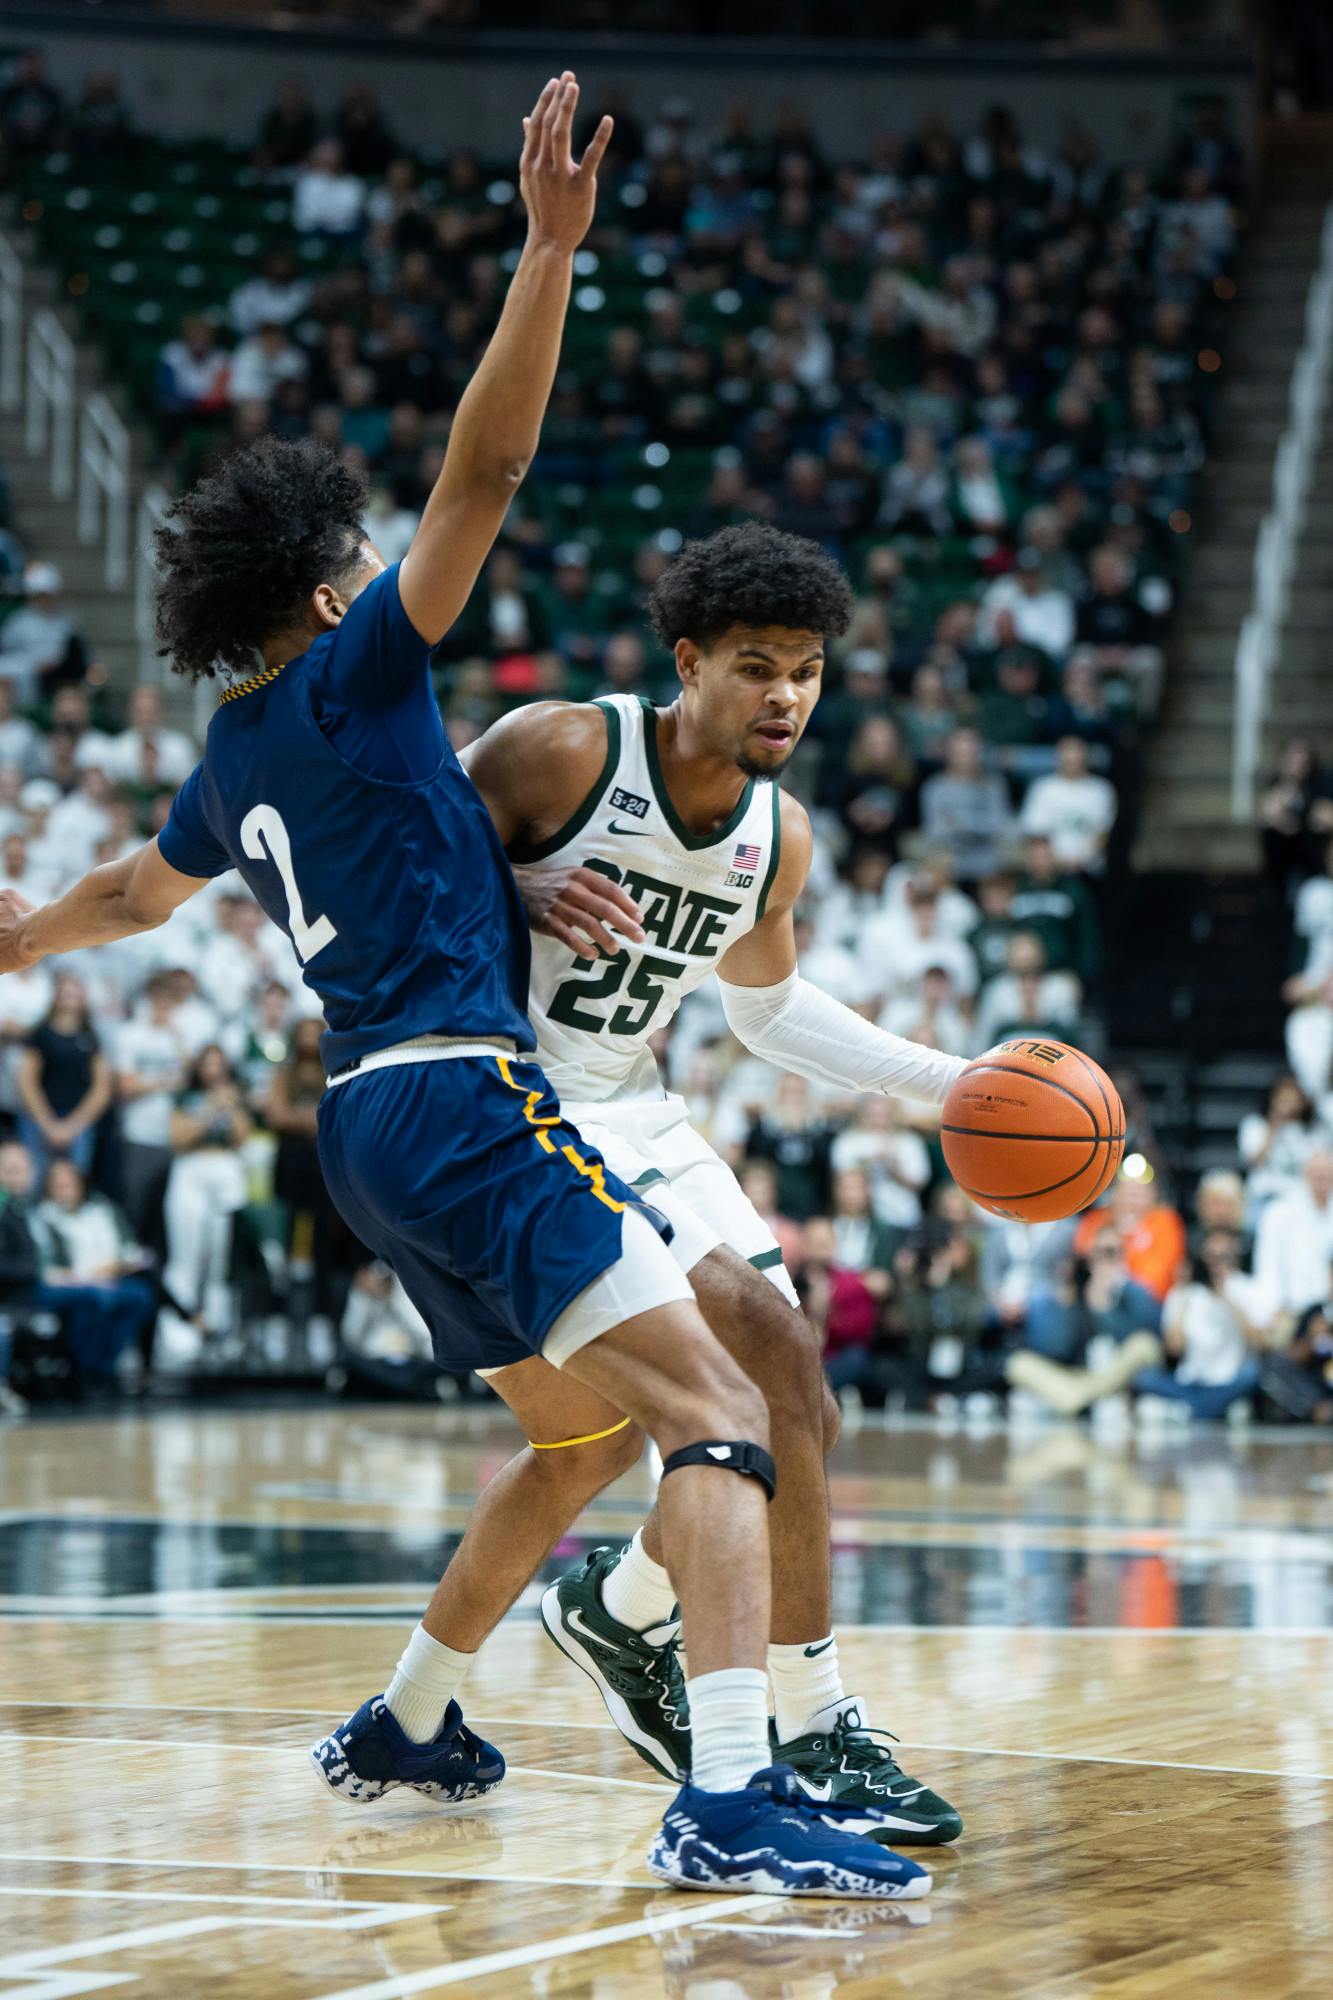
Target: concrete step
<point>1210,847</point>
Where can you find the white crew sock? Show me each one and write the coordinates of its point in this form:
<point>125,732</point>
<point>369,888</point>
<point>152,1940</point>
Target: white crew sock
<point>638,1592</point>
<point>805,1679</point>
<point>728,1728</point>
<point>425,1681</point>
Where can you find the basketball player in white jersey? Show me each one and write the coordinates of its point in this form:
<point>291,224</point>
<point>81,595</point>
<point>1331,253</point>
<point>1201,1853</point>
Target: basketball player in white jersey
<point>679,811</point>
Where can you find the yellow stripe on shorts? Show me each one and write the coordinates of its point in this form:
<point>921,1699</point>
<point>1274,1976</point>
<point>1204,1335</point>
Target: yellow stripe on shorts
<point>593,1170</point>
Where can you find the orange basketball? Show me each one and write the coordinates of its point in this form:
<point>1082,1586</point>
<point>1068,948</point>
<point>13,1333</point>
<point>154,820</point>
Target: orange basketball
<point>1033,1130</point>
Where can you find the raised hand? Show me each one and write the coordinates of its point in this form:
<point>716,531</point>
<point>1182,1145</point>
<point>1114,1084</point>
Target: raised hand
<point>560,196</point>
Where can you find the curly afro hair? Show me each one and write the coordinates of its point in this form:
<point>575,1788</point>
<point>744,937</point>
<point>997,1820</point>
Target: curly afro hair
<point>239,557</point>
<point>750,575</point>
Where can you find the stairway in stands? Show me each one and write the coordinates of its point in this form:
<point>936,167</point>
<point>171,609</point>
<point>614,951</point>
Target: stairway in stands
<point>1193,1006</point>
<point>1187,821</point>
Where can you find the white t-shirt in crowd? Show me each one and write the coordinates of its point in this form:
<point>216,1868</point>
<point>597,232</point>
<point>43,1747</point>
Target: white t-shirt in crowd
<point>1045,619</point>
<point>1309,1039</point>
<point>897,957</point>
<point>153,1053</point>
<point>121,757</point>
<point>1215,1345</point>
<point>19,744</point>
<point>327,201</point>
<point>89,1235</point>
<point>1058,1001</point>
<point>875,1153</point>
<point>1075,813</point>
<point>1293,1250</point>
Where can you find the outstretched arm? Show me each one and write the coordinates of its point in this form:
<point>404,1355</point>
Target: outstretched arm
<point>498,421</point>
<point>115,901</point>
<point>776,1014</point>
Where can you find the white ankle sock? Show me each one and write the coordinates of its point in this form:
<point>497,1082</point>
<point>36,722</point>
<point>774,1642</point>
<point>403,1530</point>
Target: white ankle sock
<point>638,1592</point>
<point>728,1728</point>
<point>425,1681</point>
<point>805,1679</point>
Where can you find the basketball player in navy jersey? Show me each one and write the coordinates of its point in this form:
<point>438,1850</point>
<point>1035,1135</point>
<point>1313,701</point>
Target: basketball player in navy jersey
<point>327,783</point>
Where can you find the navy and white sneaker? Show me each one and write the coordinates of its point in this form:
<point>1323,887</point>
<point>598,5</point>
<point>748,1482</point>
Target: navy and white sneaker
<point>770,1838</point>
<point>370,1755</point>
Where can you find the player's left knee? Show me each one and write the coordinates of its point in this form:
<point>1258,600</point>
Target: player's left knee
<point>590,1466</point>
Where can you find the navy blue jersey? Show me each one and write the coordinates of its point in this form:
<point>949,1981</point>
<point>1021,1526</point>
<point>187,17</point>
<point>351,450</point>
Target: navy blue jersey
<point>328,782</point>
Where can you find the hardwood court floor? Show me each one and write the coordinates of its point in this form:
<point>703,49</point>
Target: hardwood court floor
<point>1116,1658</point>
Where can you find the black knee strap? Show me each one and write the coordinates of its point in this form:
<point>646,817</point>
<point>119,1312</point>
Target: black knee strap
<point>750,1460</point>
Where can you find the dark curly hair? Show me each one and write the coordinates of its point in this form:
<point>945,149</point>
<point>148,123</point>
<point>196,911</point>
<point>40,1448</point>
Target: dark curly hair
<point>749,575</point>
<point>240,555</point>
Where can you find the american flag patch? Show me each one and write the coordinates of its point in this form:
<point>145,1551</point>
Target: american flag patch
<point>746,859</point>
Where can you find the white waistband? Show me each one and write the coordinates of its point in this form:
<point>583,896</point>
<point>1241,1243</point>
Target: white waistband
<point>424,1048</point>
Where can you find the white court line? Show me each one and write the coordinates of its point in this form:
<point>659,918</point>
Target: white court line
<point>252,1708</point>
<point>324,1903</point>
<point>294,1750</point>
<point>535,1954</point>
<point>71,1857</point>
<point>647,1784</point>
<point>1141,1763</point>
<point>57,1610</point>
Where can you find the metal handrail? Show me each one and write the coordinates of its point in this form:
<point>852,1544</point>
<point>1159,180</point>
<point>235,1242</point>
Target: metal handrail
<point>50,407</point>
<point>104,485</point>
<point>11,327</point>
<point>154,503</point>
<point>1280,533</point>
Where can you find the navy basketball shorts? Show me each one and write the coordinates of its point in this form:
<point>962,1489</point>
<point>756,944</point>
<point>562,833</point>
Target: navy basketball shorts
<point>464,1178</point>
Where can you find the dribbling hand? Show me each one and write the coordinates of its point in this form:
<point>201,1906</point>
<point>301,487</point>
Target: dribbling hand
<point>559,196</point>
<point>14,913</point>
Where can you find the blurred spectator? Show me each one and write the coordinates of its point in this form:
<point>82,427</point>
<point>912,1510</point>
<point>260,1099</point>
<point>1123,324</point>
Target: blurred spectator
<point>327,200</point>
<point>30,107</point>
<point>1213,1328</point>
<point>1309,1039</point>
<point>64,1082</point>
<point>263,362</point>
<point>365,139</point>
<point>1276,1143</point>
<point>1313,920</point>
<point>1293,1247</point>
<point>206,1186</point>
<point>18,738</point>
<point>941,1314</point>
<point>1116,635</point>
<point>841,1307</point>
<point>966,809</point>
<point>1074,808</point>
<point>1027,996</point>
<point>314,1228</point>
<point>1300,1379</point>
<point>759,1183</point>
<point>1058,906</point>
<point>275,297</point>
<point>289,127</point>
<point>1285,806</point>
<point>1219,1203</point>
<point>863,1243</point>
<point>1151,1234</point>
<point>1087,1337</point>
<point>146,753</point>
<point>92,1261</point>
<point>40,644</point>
<point>901,945</point>
<point>799,1143</point>
<point>151,1059</point>
<point>877,1145</point>
<point>99,125</point>
<point>1026,607</point>
<point>193,374</point>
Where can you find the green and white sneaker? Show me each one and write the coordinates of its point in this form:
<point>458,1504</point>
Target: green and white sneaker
<point>637,1673</point>
<point>839,1761</point>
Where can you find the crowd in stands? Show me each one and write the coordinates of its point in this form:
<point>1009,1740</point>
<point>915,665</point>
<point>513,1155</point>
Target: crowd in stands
<point>975,371</point>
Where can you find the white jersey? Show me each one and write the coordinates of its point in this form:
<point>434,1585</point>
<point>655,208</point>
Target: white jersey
<point>698,893</point>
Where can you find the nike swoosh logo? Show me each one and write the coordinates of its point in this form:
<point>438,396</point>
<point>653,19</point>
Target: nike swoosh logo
<point>822,1792</point>
<point>574,1619</point>
<point>811,1652</point>
<point>640,831</point>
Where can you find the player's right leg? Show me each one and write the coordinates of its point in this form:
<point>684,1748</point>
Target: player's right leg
<point>740,1823</point>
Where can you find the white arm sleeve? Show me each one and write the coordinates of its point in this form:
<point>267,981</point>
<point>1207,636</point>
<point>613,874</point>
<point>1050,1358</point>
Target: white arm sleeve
<point>796,1026</point>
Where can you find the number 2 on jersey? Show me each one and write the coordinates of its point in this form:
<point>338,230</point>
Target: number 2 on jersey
<point>264,837</point>
<point>645,987</point>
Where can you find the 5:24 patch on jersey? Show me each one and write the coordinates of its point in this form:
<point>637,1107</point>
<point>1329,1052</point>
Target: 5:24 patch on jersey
<point>629,802</point>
